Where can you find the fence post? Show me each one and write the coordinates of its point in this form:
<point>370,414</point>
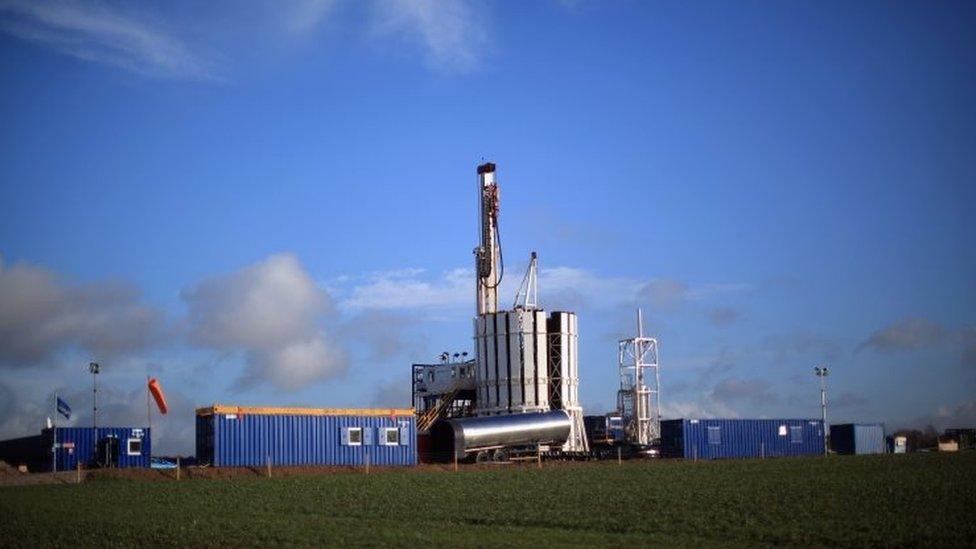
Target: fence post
<point>762,450</point>
<point>619,457</point>
<point>269,466</point>
<point>367,461</point>
<point>177,468</point>
<point>78,472</point>
<point>455,462</point>
<point>538,456</point>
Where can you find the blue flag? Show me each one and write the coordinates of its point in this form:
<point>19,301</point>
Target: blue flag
<point>64,409</point>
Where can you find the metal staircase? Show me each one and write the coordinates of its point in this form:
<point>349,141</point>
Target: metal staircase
<point>431,416</point>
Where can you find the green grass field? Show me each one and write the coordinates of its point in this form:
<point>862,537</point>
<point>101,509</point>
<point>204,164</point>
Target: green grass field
<point>880,500</point>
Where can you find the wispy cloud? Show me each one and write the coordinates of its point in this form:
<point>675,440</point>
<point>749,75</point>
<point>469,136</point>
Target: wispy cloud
<point>203,42</point>
<point>104,33</point>
<point>754,391</point>
<point>301,16</point>
<point>723,316</point>
<point>452,33</point>
<point>905,335</point>
<point>560,287</point>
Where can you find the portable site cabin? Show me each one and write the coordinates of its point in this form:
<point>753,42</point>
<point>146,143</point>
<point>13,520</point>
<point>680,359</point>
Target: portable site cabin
<point>235,436</point>
<point>858,438</point>
<point>741,438</point>
<point>120,447</point>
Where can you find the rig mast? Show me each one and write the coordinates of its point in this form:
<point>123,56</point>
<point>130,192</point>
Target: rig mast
<point>488,263</point>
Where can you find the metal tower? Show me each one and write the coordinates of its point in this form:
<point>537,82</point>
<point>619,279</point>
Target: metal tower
<point>638,399</point>
<point>488,265</point>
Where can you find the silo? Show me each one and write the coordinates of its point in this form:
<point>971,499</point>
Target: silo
<point>512,372</point>
<point>563,342</point>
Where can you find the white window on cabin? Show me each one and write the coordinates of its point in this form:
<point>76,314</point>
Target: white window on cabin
<point>354,436</point>
<point>133,447</point>
<point>715,435</point>
<point>390,436</point>
<point>796,434</point>
<point>782,430</point>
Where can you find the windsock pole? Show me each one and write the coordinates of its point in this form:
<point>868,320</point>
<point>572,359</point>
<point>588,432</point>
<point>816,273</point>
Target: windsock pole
<point>148,415</point>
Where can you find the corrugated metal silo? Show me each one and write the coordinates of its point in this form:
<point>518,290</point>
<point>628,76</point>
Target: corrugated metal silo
<point>512,374</point>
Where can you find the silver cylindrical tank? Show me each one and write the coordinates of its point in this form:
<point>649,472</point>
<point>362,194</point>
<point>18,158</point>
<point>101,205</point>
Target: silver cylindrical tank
<point>512,362</point>
<point>463,435</point>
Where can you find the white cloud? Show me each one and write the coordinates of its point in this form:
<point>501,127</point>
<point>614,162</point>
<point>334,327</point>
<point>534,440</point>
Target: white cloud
<point>453,34</point>
<point>560,287</point>
<point>203,41</point>
<point>272,312</point>
<point>692,409</point>
<point>408,289</point>
<point>42,315</point>
<point>301,16</point>
<point>104,33</point>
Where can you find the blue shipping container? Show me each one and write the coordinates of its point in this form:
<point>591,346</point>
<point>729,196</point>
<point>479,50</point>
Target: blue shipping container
<point>230,436</point>
<point>103,446</point>
<point>858,438</point>
<point>741,438</point>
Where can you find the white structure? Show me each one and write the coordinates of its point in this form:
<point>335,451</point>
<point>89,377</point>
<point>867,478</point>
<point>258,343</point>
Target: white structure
<point>638,398</point>
<point>525,361</point>
<point>562,330</point>
<point>488,266</point>
<point>512,373</point>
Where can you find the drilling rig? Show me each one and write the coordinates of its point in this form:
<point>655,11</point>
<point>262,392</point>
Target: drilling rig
<point>525,375</point>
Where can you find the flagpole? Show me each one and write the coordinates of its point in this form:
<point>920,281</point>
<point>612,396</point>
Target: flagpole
<point>54,434</point>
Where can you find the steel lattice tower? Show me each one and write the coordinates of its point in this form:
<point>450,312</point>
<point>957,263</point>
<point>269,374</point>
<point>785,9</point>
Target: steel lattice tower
<point>638,399</point>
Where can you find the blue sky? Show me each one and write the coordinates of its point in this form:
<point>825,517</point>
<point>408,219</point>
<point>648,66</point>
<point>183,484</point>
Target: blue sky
<point>273,202</point>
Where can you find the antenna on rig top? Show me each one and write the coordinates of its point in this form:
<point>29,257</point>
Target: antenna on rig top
<point>527,296</point>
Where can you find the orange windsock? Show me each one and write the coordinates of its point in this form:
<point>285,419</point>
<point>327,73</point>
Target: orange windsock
<point>157,393</point>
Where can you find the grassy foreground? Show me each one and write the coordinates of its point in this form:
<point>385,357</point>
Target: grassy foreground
<point>876,500</point>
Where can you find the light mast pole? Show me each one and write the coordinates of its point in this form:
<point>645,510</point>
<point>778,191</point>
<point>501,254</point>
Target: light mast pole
<point>822,372</point>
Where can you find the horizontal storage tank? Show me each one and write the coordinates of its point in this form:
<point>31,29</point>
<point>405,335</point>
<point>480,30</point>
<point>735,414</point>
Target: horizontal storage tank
<point>741,438</point>
<point>456,437</point>
<point>858,438</point>
<point>91,447</point>
<point>234,436</point>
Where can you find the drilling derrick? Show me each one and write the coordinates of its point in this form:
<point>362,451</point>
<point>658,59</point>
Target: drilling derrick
<point>488,255</point>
